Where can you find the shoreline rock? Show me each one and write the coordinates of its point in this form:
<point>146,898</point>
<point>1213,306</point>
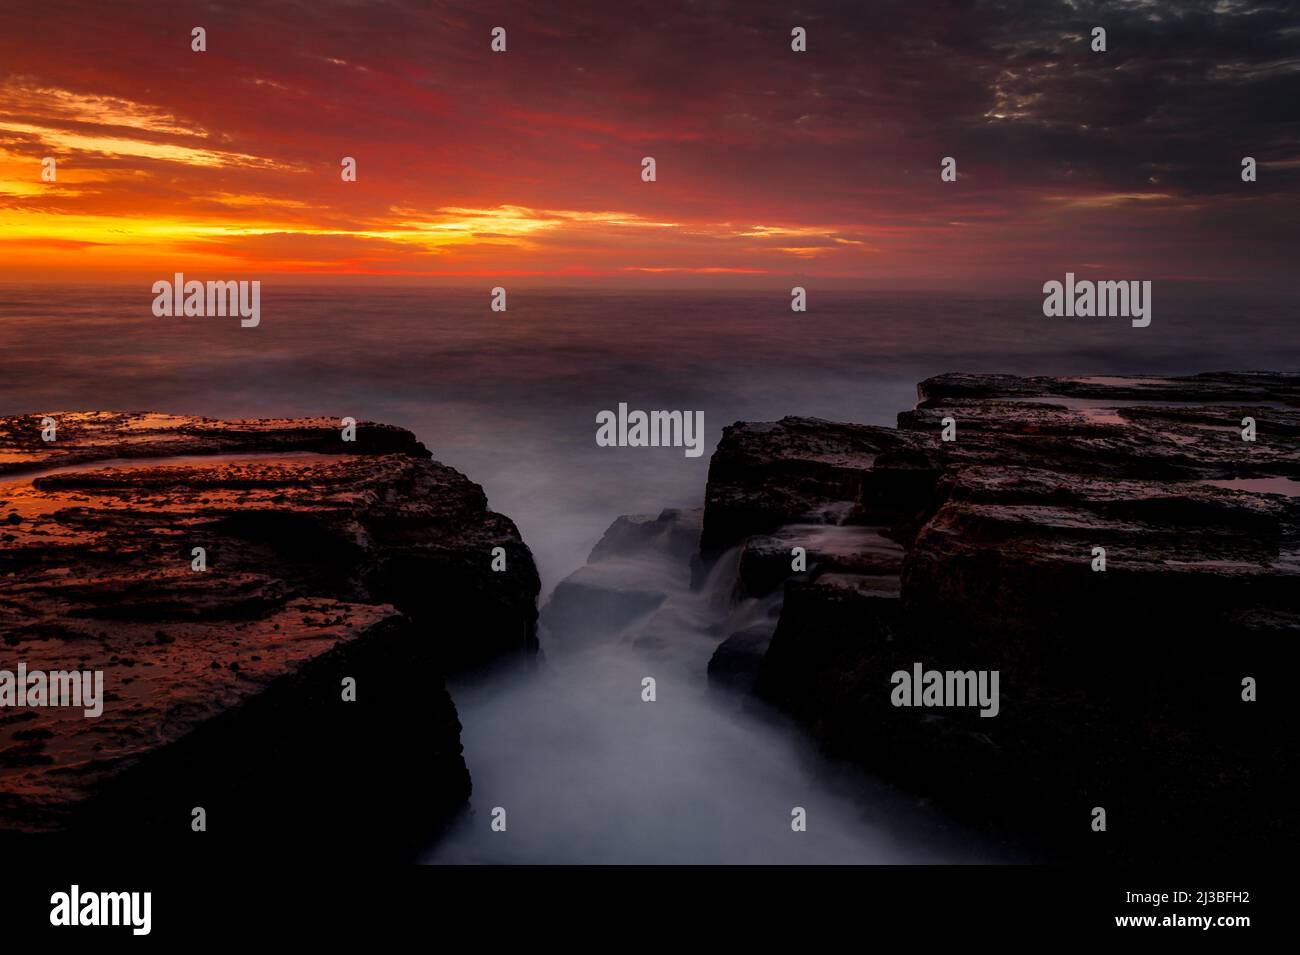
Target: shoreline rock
<point>1120,689</point>
<point>324,559</point>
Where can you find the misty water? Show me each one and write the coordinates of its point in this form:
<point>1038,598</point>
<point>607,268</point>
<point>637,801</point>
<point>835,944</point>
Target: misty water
<point>589,772</point>
<point>586,770</point>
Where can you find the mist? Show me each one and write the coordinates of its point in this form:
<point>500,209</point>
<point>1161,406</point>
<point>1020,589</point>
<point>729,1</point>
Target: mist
<point>588,772</point>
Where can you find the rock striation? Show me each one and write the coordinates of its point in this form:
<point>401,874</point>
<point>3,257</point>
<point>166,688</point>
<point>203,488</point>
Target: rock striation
<point>1120,688</point>
<point>323,561</point>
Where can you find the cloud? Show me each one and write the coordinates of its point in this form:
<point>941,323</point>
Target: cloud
<point>768,160</point>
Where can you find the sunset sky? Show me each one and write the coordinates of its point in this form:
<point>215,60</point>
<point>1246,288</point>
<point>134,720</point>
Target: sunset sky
<point>773,165</point>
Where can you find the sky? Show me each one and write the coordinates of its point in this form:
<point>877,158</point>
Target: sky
<point>773,167</point>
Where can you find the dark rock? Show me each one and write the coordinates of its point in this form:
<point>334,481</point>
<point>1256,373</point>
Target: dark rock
<point>629,574</point>
<point>766,559</point>
<point>675,532</point>
<point>602,598</point>
<point>1120,689</point>
<point>325,560</point>
<point>735,663</point>
<point>796,470</point>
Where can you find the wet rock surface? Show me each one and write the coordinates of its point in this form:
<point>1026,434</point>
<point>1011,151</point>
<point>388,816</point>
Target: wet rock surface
<point>1119,689</point>
<point>736,662</point>
<point>631,571</point>
<point>325,560</point>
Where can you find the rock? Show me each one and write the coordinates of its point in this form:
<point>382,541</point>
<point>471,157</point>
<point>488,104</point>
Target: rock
<point>735,663</point>
<point>603,598</point>
<point>81,437</point>
<point>796,470</point>
<point>629,574</point>
<point>1120,688</point>
<point>674,532</point>
<point>766,559</point>
<point>324,560</point>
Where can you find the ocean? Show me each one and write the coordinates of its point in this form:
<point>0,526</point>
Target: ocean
<point>511,398</point>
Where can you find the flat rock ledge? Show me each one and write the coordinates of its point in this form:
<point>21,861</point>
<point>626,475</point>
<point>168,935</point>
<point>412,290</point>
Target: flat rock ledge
<point>325,561</point>
<point>1120,689</point>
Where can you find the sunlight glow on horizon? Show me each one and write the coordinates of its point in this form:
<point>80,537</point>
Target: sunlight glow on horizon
<point>769,163</point>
